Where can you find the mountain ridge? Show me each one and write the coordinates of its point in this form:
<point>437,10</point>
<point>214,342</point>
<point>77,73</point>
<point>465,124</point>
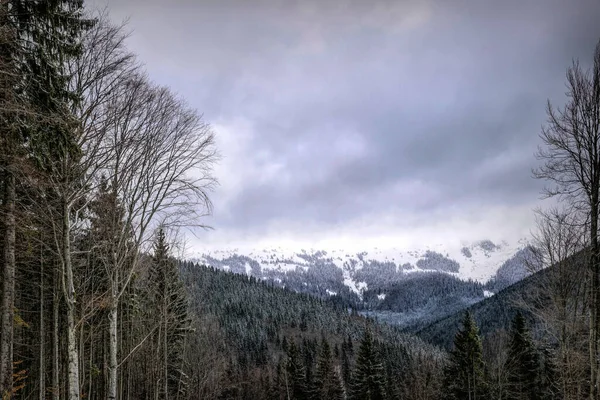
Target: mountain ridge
<point>369,269</point>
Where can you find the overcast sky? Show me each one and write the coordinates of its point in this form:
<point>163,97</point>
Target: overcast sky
<point>357,123</point>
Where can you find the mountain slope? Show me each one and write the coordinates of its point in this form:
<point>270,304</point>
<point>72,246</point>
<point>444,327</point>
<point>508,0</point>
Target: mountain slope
<point>327,272</point>
<point>408,288</point>
<point>245,325</point>
<point>496,312</point>
<point>422,299</point>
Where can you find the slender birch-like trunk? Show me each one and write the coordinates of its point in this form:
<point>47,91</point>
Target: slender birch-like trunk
<point>69,288</point>
<point>112,349</point>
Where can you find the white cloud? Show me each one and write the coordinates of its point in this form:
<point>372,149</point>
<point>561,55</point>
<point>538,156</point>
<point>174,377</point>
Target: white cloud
<point>358,122</point>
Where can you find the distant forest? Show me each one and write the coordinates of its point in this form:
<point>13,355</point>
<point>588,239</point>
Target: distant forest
<point>100,167</point>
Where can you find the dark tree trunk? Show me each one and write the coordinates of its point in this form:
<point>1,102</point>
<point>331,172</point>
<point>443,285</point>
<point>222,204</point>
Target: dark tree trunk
<point>8,288</point>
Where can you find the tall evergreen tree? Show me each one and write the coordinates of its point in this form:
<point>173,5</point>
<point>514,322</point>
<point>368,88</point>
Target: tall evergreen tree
<point>327,381</point>
<point>296,374</point>
<point>464,375</point>
<point>170,299</point>
<point>277,388</point>
<point>346,366</point>
<point>523,363</point>
<point>45,35</point>
<point>309,354</point>
<point>368,379</point>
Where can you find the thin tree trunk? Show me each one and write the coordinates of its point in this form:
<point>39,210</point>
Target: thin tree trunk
<point>112,348</point>
<point>593,339</point>
<point>165,339</point>
<point>55,341</point>
<point>90,378</point>
<point>82,358</point>
<point>73,355</point>
<point>8,290</point>
<point>113,330</point>
<point>42,372</point>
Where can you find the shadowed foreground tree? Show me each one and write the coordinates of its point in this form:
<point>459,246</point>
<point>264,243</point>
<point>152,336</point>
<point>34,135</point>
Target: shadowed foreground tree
<point>9,104</point>
<point>368,378</point>
<point>464,375</point>
<point>160,170</point>
<point>522,363</point>
<point>559,300</point>
<point>44,36</point>
<point>571,164</point>
<point>295,378</point>
<point>328,385</point>
<point>170,299</point>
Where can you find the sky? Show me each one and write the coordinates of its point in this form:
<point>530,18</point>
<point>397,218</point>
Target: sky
<point>362,123</point>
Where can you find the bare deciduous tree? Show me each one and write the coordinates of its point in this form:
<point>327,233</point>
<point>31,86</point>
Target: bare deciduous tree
<point>74,176</point>
<point>8,170</point>
<point>559,254</point>
<point>160,172</point>
<point>571,163</point>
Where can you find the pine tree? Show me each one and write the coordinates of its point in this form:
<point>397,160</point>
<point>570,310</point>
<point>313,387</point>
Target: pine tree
<point>172,310</point>
<point>464,375</point>
<point>296,375</point>
<point>44,35</point>
<point>309,353</point>
<point>277,388</point>
<point>368,379</point>
<point>327,381</point>
<point>522,363</point>
<point>392,387</point>
<point>346,366</point>
<point>548,376</point>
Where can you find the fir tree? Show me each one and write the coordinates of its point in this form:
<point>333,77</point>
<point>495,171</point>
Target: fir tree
<point>39,37</point>
<point>296,375</point>
<point>464,376</point>
<point>346,366</point>
<point>171,301</point>
<point>277,388</point>
<point>392,388</point>
<point>368,380</point>
<point>309,350</point>
<point>523,363</point>
<point>327,381</point>
<point>548,376</point>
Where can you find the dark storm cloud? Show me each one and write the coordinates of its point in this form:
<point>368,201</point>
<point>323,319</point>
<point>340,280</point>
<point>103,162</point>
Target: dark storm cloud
<point>329,111</point>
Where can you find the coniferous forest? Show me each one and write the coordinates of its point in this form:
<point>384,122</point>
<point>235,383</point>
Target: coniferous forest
<point>101,169</point>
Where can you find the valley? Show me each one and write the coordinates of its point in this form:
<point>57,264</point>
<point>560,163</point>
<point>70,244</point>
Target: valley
<point>409,288</point>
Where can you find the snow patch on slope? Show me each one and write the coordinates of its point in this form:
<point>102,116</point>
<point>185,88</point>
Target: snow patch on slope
<point>477,261</point>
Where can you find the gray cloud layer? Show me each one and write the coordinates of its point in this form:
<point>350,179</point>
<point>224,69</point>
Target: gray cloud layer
<point>329,112</point>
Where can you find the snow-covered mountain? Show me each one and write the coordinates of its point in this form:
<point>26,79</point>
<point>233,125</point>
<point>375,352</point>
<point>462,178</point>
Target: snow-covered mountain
<point>327,272</point>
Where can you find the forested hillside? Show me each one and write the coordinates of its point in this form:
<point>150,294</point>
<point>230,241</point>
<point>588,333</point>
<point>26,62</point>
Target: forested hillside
<point>97,165</point>
<point>103,173</point>
<point>421,299</point>
<point>407,288</point>
<point>492,314</point>
<point>247,329</point>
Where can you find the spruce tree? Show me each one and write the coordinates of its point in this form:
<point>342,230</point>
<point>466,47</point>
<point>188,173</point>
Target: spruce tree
<point>548,375</point>
<point>523,363</point>
<point>327,381</point>
<point>171,301</point>
<point>464,375</point>
<point>368,379</point>
<point>296,375</point>
<point>277,388</point>
<point>309,350</point>
<point>39,37</point>
<point>346,366</point>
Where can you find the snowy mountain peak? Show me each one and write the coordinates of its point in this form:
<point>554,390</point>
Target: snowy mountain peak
<point>330,269</point>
